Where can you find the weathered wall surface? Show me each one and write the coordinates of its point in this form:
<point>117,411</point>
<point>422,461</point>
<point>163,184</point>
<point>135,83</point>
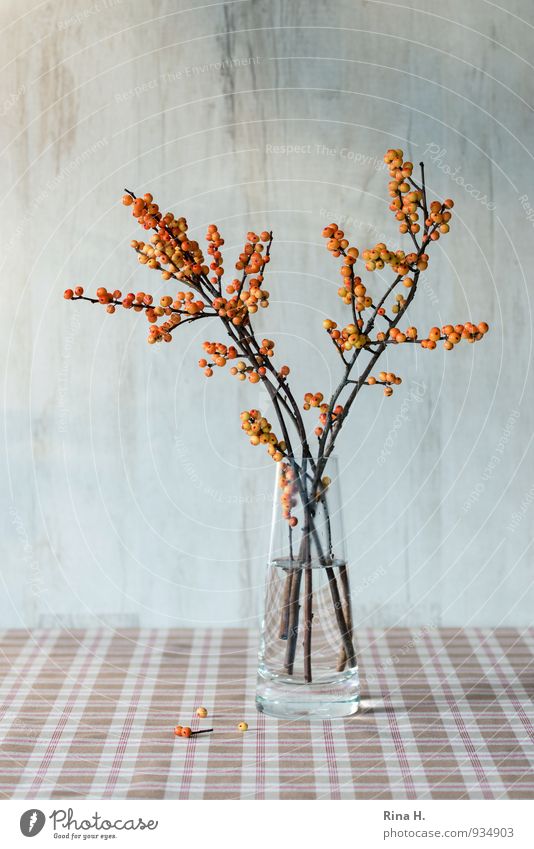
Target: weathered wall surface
<point>129,492</point>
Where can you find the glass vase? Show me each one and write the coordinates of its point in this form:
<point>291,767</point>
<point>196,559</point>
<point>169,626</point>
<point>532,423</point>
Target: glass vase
<point>307,663</point>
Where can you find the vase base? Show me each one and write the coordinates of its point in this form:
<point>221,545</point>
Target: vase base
<point>332,700</point>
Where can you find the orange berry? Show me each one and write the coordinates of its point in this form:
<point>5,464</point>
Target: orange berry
<point>178,730</point>
<point>186,731</point>
<point>127,200</point>
<point>483,327</point>
<point>68,294</point>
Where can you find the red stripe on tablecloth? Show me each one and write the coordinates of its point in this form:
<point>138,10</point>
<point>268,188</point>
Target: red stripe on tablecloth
<point>393,724</point>
<point>460,724</point>
<point>66,712</point>
<point>128,722</point>
<point>260,757</point>
<point>191,743</point>
<point>331,759</point>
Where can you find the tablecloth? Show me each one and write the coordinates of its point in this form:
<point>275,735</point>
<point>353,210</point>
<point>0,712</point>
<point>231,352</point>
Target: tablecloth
<point>446,714</point>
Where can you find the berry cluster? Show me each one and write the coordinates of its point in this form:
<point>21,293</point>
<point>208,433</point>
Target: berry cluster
<point>184,305</point>
<point>406,201</point>
<point>439,217</point>
<point>171,247</point>
<point>219,353</point>
<point>252,260</point>
<point>338,245</point>
<point>451,335</point>
<point>247,295</point>
<point>215,242</point>
<point>260,433</point>
<point>387,379</point>
<point>311,400</point>
<point>316,400</point>
<point>398,336</point>
<point>354,290</point>
<point>288,497</point>
<point>349,337</point>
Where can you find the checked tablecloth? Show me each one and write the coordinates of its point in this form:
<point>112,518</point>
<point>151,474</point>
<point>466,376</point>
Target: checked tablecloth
<point>89,714</point>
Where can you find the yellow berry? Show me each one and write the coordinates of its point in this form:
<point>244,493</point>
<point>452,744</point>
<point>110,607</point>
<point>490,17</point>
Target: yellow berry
<point>202,712</point>
<point>243,726</point>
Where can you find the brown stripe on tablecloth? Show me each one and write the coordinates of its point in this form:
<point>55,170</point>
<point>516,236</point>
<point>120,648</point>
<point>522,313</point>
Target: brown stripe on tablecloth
<point>226,745</point>
<point>190,744</point>
<point>519,656</point>
<point>11,650</point>
<point>11,656</point>
<point>297,776</point>
<point>92,735</point>
<point>506,684</point>
<point>369,773</point>
<point>149,777</point>
<point>15,754</point>
<point>40,641</point>
<point>131,713</point>
<point>453,697</point>
<point>431,736</point>
<point>400,750</point>
<point>499,735</point>
<point>64,716</point>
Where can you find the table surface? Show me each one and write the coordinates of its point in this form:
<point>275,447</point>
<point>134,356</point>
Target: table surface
<point>89,714</point>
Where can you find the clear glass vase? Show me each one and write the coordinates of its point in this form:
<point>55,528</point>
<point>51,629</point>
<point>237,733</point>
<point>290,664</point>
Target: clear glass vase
<point>307,663</point>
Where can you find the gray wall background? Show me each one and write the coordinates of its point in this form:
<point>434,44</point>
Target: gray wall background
<point>129,492</point>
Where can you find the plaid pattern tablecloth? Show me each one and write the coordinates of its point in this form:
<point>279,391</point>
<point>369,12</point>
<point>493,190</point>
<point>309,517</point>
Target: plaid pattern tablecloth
<point>446,714</point>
